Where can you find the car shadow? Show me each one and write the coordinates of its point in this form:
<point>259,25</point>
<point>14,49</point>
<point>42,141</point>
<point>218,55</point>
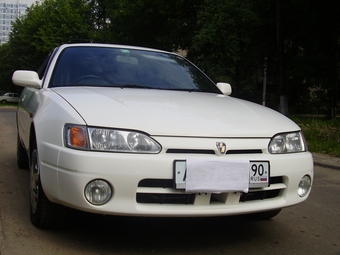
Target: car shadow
<point>144,235</point>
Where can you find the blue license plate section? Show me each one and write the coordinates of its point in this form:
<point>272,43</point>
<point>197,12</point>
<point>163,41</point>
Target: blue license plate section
<point>259,173</point>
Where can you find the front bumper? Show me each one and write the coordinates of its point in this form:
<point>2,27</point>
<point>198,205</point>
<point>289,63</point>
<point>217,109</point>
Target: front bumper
<point>143,184</point>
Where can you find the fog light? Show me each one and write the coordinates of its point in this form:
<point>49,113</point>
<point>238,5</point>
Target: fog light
<point>304,186</point>
<point>98,192</point>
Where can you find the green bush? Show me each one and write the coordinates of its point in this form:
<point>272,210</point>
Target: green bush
<point>322,135</point>
<point>8,104</point>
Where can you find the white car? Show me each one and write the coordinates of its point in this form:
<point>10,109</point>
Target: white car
<point>9,98</point>
<point>123,130</point>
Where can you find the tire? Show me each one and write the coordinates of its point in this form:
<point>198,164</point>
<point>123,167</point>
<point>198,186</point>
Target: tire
<point>4,101</point>
<point>22,158</point>
<point>43,213</point>
<point>263,215</point>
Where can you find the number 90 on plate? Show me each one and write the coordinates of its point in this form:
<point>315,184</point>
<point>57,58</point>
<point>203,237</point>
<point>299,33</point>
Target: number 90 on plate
<point>259,173</point>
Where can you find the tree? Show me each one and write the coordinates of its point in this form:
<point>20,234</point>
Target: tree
<point>46,26</point>
<point>231,40</point>
<point>223,44</point>
<point>315,54</point>
<point>6,69</point>
<point>160,24</point>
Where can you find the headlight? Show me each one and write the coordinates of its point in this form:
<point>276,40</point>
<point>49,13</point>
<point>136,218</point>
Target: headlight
<point>287,143</point>
<point>76,137</point>
<point>104,139</point>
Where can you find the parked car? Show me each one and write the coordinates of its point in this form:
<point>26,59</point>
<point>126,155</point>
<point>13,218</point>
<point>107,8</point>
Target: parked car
<point>9,98</point>
<point>123,130</point>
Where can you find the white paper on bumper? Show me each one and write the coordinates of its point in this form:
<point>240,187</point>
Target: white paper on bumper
<point>217,176</point>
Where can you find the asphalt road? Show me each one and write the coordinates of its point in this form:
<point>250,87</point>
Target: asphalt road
<point>309,228</point>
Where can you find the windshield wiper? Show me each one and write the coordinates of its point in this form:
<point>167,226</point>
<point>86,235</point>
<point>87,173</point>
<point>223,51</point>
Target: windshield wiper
<point>135,86</point>
<point>122,86</point>
<point>183,89</point>
<point>160,88</point>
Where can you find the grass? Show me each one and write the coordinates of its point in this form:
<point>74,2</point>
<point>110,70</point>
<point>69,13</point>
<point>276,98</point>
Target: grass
<point>323,136</point>
<point>8,104</point>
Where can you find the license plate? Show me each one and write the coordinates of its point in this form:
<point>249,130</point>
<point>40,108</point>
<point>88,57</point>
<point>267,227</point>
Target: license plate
<point>259,172</point>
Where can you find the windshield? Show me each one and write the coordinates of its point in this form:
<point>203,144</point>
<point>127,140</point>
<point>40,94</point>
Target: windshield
<point>128,68</point>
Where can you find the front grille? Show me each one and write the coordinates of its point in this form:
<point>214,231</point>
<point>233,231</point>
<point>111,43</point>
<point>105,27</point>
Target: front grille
<point>257,151</point>
<point>161,191</point>
<point>181,199</point>
<point>192,151</point>
<point>156,183</point>
<point>189,151</point>
<point>259,195</point>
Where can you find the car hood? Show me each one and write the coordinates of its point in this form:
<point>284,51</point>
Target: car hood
<point>174,113</point>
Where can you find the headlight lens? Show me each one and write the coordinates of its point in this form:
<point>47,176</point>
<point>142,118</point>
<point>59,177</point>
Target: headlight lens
<point>104,139</point>
<point>287,143</point>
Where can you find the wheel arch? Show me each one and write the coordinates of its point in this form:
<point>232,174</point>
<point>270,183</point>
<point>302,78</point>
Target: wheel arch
<point>32,139</point>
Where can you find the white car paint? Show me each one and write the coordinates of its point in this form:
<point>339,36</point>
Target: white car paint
<point>178,121</point>
<point>182,113</point>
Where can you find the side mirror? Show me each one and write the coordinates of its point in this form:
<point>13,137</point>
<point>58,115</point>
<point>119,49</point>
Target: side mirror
<point>26,79</point>
<point>225,88</point>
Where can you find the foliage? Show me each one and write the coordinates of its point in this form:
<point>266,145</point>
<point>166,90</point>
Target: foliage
<point>14,105</point>
<point>231,40</point>
<point>45,27</point>
<point>6,69</point>
<point>322,135</point>
<point>152,23</point>
<point>313,54</point>
<point>224,42</point>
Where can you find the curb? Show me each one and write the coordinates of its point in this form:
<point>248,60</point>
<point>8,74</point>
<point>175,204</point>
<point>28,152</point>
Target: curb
<point>324,160</point>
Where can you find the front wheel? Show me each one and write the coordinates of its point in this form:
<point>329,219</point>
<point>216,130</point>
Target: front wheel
<point>43,213</point>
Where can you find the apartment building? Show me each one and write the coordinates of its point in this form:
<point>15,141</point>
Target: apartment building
<point>10,10</point>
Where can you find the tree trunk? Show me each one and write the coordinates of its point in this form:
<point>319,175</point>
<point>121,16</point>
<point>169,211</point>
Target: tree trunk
<point>283,105</point>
